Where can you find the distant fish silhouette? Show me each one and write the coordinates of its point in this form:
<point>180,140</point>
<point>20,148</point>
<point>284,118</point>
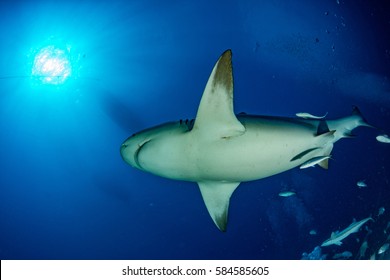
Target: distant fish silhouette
<point>381,211</point>
<point>336,237</point>
<point>343,255</point>
<point>383,248</point>
<point>287,193</point>
<point>361,184</point>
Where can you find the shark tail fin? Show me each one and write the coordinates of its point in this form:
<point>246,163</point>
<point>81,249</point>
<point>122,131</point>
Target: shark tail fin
<point>362,120</point>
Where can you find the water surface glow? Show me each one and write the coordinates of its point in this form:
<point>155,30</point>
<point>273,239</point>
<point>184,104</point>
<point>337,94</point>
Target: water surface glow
<point>52,65</point>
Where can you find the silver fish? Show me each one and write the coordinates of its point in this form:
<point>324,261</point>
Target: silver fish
<point>312,162</point>
<point>310,116</point>
<point>287,193</point>
<point>361,184</point>
<point>383,248</point>
<point>383,138</point>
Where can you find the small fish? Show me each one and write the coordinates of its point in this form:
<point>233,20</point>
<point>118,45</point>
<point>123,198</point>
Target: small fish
<point>312,162</point>
<point>336,237</point>
<point>383,248</point>
<point>387,227</point>
<point>383,138</point>
<point>381,211</point>
<point>343,255</point>
<point>361,184</point>
<point>362,250</point>
<point>310,116</point>
<point>287,193</point>
<point>313,232</point>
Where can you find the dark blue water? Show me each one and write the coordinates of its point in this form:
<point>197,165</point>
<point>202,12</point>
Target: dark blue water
<point>65,192</point>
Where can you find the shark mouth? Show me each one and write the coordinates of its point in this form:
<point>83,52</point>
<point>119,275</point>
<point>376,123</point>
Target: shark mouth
<point>136,154</point>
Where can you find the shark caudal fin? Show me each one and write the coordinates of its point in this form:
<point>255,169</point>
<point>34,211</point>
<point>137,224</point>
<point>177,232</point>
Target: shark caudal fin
<point>361,120</point>
<point>345,126</point>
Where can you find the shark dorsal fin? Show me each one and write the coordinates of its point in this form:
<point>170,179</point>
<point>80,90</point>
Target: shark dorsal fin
<point>215,117</point>
<point>216,196</point>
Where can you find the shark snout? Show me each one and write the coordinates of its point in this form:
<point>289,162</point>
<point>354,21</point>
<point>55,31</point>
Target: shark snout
<point>123,147</point>
<point>123,151</point>
<point>130,150</point>
<point>127,150</point>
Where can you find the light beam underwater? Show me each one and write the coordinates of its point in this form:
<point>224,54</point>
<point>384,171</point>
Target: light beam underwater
<point>52,65</point>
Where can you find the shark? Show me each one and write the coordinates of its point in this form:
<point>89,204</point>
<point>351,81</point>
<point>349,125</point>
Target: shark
<point>336,237</point>
<point>219,149</point>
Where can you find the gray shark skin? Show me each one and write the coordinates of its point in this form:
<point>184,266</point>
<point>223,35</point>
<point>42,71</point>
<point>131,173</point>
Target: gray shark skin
<point>218,149</point>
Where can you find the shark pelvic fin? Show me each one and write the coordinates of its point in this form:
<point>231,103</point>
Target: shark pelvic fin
<point>216,196</point>
<point>325,163</point>
<point>325,138</point>
<point>215,117</point>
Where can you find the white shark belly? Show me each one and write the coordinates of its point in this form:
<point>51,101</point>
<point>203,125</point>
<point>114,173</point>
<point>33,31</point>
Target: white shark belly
<point>266,148</point>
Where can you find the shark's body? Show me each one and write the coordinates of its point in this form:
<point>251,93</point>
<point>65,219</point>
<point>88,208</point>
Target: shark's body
<point>336,237</point>
<point>219,149</point>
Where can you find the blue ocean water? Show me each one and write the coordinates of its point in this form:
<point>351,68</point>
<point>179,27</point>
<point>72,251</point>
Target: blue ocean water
<point>66,193</point>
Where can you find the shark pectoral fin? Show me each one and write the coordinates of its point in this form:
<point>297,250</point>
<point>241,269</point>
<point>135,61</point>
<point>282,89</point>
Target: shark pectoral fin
<point>216,196</point>
<point>215,117</point>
